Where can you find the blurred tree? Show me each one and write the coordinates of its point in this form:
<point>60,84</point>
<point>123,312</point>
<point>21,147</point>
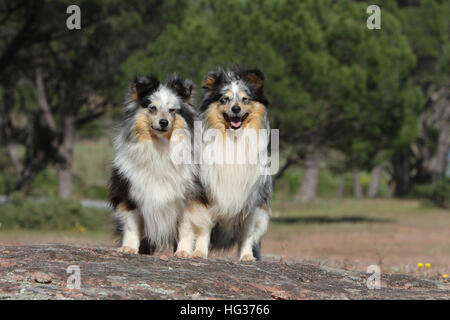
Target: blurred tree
<point>389,101</point>
<point>331,81</point>
<point>72,74</point>
<point>427,27</point>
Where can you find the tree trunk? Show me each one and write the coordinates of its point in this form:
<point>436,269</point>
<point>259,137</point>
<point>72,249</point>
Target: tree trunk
<point>432,150</point>
<point>64,167</point>
<point>308,189</point>
<point>374,187</point>
<point>402,177</point>
<point>357,190</point>
<point>438,163</point>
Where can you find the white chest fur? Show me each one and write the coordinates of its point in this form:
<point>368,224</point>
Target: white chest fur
<point>157,185</point>
<point>230,186</point>
<point>231,183</point>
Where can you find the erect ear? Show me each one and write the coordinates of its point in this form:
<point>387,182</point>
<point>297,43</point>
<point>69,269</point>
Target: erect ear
<point>255,77</point>
<point>213,79</point>
<point>144,85</point>
<point>184,88</point>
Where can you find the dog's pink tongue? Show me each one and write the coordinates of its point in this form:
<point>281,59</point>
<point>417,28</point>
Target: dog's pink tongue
<point>236,124</point>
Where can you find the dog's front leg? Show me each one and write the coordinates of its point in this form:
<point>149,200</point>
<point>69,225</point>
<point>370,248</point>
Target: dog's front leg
<point>131,231</point>
<point>203,224</point>
<point>186,237</point>
<point>196,225</point>
<point>255,229</point>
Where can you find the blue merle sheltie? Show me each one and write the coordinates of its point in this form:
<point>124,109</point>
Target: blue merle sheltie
<point>236,210</point>
<point>149,190</point>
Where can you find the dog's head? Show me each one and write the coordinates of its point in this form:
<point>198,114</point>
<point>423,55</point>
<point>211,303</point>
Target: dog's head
<point>234,99</point>
<point>157,108</point>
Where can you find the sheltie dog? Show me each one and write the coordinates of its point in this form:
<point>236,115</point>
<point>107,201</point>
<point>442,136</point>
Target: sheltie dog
<point>148,189</point>
<point>236,209</point>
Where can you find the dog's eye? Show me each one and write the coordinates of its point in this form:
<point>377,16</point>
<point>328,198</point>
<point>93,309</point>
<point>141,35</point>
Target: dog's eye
<point>245,100</point>
<point>172,110</point>
<point>152,109</point>
<point>224,100</point>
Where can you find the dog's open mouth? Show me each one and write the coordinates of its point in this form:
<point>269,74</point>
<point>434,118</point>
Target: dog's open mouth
<point>235,122</point>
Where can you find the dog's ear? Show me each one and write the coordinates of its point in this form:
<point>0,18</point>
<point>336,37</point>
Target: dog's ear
<point>144,85</point>
<point>213,79</point>
<point>255,77</point>
<point>184,88</point>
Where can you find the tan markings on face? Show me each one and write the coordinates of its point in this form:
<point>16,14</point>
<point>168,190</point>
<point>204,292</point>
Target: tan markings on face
<point>242,94</point>
<point>215,116</point>
<point>143,127</point>
<point>178,123</point>
<point>229,94</point>
<point>256,112</point>
<point>134,95</point>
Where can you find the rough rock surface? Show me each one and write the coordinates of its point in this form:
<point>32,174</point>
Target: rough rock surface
<point>40,272</point>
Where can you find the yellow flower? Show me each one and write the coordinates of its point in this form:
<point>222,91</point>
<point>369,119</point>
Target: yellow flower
<point>444,276</point>
<point>420,265</point>
<point>428,265</point>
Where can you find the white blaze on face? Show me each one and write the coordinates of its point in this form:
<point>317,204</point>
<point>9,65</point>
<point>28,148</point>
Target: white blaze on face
<point>235,88</point>
<point>165,99</point>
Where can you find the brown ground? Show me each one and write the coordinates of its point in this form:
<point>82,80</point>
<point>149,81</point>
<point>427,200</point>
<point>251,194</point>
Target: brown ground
<point>394,234</point>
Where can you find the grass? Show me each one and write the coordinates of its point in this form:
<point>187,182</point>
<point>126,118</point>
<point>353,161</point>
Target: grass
<point>92,161</point>
<point>77,237</point>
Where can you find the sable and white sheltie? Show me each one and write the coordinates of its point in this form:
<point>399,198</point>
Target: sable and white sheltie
<point>148,190</point>
<point>236,209</point>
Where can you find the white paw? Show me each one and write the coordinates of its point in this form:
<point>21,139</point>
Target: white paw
<point>126,249</point>
<point>182,254</point>
<point>247,258</point>
<point>199,254</point>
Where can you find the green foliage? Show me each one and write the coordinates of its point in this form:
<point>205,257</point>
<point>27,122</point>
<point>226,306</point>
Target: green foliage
<point>326,72</point>
<point>438,193</point>
<point>92,130</point>
<point>53,214</point>
<point>329,78</point>
<point>44,184</point>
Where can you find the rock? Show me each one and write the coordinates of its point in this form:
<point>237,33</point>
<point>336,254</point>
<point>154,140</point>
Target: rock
<point>45,271</point>
<point>41,277</point>
<point>280,295</point>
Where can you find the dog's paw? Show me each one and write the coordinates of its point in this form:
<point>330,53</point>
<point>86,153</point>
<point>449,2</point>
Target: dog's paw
<point>182,254</point>
<point>247,258</point>
<point>126,249</point>
<point>199,254</point>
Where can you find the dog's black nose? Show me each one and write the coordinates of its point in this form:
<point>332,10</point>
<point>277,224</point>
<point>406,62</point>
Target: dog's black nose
<point>163,123</point>
<point>236,109</point>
